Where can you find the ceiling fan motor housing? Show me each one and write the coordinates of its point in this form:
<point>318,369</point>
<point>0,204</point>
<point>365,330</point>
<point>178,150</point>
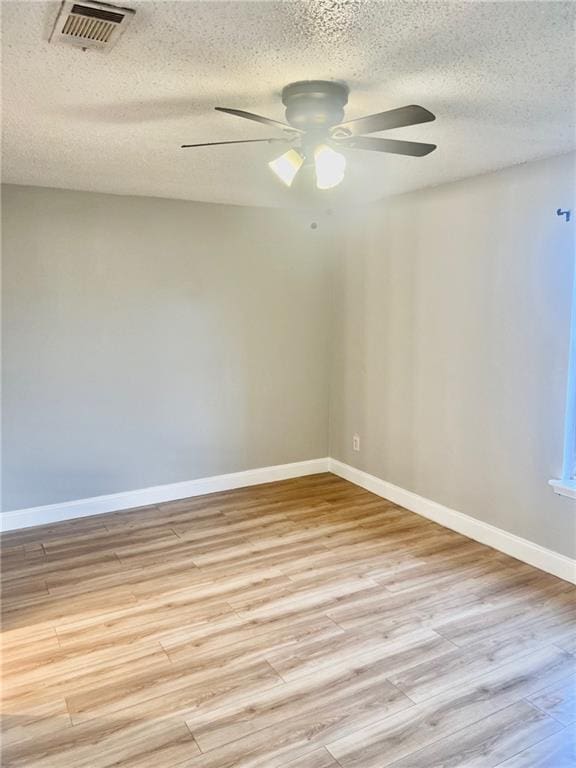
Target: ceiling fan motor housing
<point>314,104</point>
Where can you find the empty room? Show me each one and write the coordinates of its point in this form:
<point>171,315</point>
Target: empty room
<point>288,384</point>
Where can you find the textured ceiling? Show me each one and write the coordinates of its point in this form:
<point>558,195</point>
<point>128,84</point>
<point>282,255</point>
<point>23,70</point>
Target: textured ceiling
<point>499,76</point>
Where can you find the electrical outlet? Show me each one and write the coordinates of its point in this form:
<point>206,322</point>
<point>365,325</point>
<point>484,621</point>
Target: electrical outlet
<point>356,442</point>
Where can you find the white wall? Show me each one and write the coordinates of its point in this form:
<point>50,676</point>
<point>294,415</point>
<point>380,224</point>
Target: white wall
<point>151,341</point>
<point>450,346</point>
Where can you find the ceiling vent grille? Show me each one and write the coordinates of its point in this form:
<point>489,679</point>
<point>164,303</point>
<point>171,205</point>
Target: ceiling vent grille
<point>90,25</point>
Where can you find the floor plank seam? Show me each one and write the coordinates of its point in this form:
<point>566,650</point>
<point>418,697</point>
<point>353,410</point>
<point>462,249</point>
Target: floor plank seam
<point>524,749</point>
<point>441,738</point>
<point>560,648</point>
<point>550,715</point>
<point>477,678</point>
<point>201,751</point>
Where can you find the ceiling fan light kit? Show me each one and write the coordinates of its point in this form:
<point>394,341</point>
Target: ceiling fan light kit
<point>314,127</point>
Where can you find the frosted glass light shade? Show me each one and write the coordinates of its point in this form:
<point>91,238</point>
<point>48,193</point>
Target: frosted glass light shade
<point>330,167</point>
<point>287,166</point>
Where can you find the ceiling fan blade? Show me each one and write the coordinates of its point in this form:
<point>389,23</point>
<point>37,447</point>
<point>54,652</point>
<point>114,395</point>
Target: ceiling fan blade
<point>241,141</point>
<point>412,148</point>
<point>258,118</point>
<point>384,121</point>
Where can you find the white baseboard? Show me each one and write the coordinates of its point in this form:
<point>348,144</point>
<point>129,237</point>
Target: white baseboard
<point>98,505</point>
<point>522,549</point>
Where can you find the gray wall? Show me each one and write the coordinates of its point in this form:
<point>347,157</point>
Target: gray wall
<point>450,345</point>
<point>149,341</point>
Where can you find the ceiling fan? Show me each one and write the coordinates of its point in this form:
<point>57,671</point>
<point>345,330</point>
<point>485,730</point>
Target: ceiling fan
<point>314,127</point>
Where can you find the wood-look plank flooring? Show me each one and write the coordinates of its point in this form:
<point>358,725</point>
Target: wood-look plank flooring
<point>300,624</point>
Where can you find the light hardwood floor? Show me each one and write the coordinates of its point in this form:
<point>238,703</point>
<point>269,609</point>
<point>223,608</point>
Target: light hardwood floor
<point>301,624</point>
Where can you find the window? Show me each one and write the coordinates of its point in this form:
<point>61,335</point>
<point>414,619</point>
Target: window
<point>567,484</point>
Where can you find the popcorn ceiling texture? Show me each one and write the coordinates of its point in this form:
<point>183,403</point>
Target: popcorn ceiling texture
<point>499,76</point>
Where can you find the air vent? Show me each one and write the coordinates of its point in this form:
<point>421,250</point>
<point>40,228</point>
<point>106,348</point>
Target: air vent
<point>90,25</point>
